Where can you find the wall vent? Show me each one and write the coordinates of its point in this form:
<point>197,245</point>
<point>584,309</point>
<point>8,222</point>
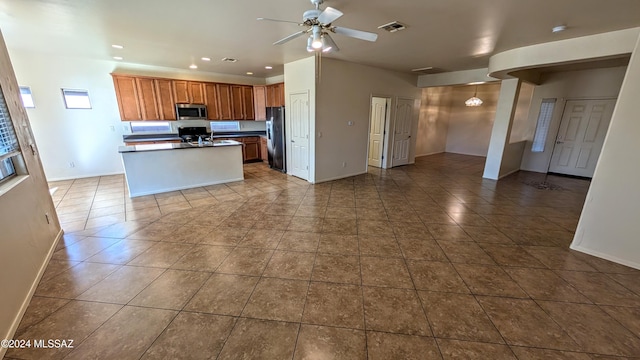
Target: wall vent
<point>393,26</point>
<point>428,70</point>
<point>229,59</point>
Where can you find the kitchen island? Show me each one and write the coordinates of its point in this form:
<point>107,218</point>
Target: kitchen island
<point>157,168</point>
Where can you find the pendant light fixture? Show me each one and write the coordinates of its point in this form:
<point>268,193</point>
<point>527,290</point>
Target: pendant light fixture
<point>474,101</point>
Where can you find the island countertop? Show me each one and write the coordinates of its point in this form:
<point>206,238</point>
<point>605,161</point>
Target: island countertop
<point>176,146</point>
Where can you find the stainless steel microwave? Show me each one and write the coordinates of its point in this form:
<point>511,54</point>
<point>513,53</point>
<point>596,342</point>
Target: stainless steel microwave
<point>191,112</point>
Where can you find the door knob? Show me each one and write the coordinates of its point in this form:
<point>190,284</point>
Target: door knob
<point>293,141</point>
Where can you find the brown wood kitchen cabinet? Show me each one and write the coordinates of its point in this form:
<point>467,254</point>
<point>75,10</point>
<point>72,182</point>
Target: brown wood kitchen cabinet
<point>224,101</point>
<point>242,102</point>
<point>251,148</point>
<point>260,102</point>
<point>212,101</point>
<point>127,96</point>
<point>264,155</point>
<point>188,92</point>
<point>275,95</point>
<point>166,100</point>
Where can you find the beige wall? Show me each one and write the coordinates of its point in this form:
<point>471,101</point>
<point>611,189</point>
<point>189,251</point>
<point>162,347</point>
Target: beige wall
<point>469,128</point>
<point>344,94</point>
<point>563,86</point>
<point>26,239</point>
<point>608,225</point>
<point>434,120</point>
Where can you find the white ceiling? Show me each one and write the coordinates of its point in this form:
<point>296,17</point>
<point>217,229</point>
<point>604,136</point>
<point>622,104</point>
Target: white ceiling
<point>447,34</point>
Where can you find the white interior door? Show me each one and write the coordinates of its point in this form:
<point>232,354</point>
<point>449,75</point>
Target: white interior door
<point>582,130</point>
<point>376,131</point>
<point>402,132</point>
<point>299,138</point>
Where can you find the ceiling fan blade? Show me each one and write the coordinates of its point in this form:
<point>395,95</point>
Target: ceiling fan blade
<point>329,45</point>
<point>329,15</point>
<point>276,20</point>
<point>358,34</point>
<point>290,37</point>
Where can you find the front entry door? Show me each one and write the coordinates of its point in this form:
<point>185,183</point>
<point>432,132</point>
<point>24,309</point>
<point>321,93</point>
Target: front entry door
<point>299,140</point>
<point>580,137</point>
<point>402,132</point>
<point>376,131</point>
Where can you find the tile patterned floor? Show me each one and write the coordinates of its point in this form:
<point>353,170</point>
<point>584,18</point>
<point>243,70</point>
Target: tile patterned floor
<point>427,261</point>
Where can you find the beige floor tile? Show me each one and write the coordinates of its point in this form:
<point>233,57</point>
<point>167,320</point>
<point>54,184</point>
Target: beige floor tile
<point>334,305</point>
<point>260,339</point>
<point>277,299</point>
<point>74,281</point>
<point>122,285</point>
<point>525,353</point>
<point>455,349</point>
<point>121,252</point>
<point>299,241</point>
<point>543,284</point>
<point>290,265</point>
<point>246,261</point>
<point>333,343</point>
<point>388,272</point>
<point>127,335</point>
<point>39,308</point>
<point>337,269</point>
<point>171,290</point>
<point>436,276</point>
<point>381,311</point>
<point>190,336</point>
<point>338,244</point>
<point>385,346</point>
<point>223,294</point>
<point>386,246</point>
<point>203,258</point>
<point>161,255</point>
<point>489,280</point>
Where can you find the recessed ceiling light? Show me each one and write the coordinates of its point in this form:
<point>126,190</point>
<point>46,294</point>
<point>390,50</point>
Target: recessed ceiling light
<point>118,57</point>
<point>193,66</point>
<point>476,83</point>
<point>206,59</point>
<point>249,73</point>
<point>268,67</point>
<point>117,46</point>
<point>559,28</point>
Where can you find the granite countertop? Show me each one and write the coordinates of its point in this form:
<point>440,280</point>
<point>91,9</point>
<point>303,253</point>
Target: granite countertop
<point>177,146</point>
<point>173,136</point>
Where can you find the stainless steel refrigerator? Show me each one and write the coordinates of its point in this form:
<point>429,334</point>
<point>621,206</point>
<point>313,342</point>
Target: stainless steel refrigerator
<point>275,138</point>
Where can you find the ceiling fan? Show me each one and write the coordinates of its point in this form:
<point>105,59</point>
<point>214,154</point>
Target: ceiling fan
<point>319,23</point>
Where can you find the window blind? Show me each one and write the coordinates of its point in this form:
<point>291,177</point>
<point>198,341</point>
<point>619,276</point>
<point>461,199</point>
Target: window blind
<point>542,127</point>
<point>8,139</point>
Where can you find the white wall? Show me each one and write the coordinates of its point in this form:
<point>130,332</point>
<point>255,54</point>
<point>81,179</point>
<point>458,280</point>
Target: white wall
<point>434,120</point>
<point>469,128</point>
<point>521,128</point>
<point>608,225</point>
<point>344,94</point>
<point>300,76</point>
<point>563,86</point>
<point>26,239</point>
<point>88,138</point>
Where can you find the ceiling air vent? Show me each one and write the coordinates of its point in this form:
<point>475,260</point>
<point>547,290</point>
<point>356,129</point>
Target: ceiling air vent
<point>393,26</point>
<point>229,59</point>
<point>428,70</point>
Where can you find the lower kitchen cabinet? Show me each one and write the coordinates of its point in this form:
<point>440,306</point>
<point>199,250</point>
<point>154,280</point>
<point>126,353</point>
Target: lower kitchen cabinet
<point>264,155</point>
<point>251,148</point>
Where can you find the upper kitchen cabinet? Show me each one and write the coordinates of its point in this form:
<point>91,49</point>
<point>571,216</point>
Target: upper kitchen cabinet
<point>224,101</point>
<point>188,92</point>
<point>148,98</point>
<point>212,101</point>
<point>275,95</point>
<point>242,102</point>
<point>166,101</point>
<point>260,102</point>
<point>127,96</point>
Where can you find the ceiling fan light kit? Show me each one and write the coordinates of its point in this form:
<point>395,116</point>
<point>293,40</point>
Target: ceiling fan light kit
<point>319,23</point>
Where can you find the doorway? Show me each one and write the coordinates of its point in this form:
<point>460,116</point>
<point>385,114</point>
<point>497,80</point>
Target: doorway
<point>299,139</point>
<point>581,135</point>
<point>402,132</point>
<point>377,125</point>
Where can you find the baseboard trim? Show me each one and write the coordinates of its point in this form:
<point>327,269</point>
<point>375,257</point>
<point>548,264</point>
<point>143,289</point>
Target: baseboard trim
<point>615,259</point>
<point>431,153</point>
<point>83,176</point>
<point>339,177</point>
<point>32,290</point>
<point>509,173</point>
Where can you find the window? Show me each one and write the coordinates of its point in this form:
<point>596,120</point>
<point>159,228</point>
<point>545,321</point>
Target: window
<point>542,127</point>
<point>9,149</point>
<point>225,125</point>
<point>27,98</point>
<point>150,126</point>
<point>76,99</point>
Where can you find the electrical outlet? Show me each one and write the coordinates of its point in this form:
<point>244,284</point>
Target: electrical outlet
<point>344,164</point>
<point>112,128</point>
<point>72,164</point>
<point>350,123</point>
